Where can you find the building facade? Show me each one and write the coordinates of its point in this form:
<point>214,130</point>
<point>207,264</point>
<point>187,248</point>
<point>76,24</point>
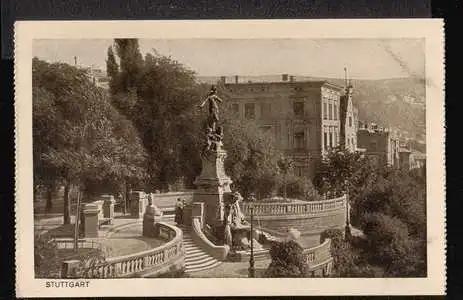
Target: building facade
<point>303,116</point>
<point>381,145</point>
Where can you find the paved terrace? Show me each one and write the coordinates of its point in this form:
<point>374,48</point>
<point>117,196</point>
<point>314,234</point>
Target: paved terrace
<point>121,238</point>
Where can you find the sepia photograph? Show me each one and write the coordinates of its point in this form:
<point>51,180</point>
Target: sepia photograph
<point>204,157</point>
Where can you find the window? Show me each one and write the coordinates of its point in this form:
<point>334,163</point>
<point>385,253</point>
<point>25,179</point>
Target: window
<point>249,111</point>
<point>298,108</point>
<point>330,112</point>
<point>331,139</point>
<point>235,108</point>
<point>325,140</point>
<point>335,139</point>
<point>299,140</point>
<point>325,111</point>
<point>353,144</point>
<point>265,109</point>
<point>266,128</point>
<point>350,121</point>
<point>335,111</point>
<point>299,170</point>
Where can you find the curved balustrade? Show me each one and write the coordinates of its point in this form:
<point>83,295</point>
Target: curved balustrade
<point>142,263</point>
<point>319,258</point>
<point>218,252</point>
<point>271,209</point>
<point>68,243</point>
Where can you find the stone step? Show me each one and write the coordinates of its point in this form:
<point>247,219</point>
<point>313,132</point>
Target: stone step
<point>195,254</point>
<point>202,267</point>
<point>194,261</point>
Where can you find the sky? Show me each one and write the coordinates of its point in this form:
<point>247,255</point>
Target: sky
<point>364,58</point>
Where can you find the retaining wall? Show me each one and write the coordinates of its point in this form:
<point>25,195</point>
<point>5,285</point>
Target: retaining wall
<point>309,218</point>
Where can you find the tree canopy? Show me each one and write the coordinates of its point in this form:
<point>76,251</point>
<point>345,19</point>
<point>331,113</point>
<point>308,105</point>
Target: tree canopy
<point>79,137</point>
<point>161,96</point>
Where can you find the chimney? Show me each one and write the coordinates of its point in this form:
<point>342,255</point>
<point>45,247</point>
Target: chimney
<point>284,77</point>
<point>236,78</point>
<point>291,78</point>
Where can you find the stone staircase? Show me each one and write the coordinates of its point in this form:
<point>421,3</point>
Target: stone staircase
<point>196,259</point>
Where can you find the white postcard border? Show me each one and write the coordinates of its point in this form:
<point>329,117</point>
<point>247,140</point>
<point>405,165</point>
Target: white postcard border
<point>429,29</point>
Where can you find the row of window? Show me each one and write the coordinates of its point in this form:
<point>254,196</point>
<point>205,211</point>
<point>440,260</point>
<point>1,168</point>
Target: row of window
<point>330,138</point>
<point>330,111</point>
<point>250,110</point>
<point>266,109</point>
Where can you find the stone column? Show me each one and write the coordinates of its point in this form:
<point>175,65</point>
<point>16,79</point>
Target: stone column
<point>108,207</point>
<point>90,213</point>
<point>137,204</point>
<point>212,184</point>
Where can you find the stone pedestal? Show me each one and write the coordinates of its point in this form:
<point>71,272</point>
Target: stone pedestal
<point>90,212</point>
<point>99,203</point>
<point>137,204</point>
<point>151,215</point>
<point>211,186</point>
<point>69,268</point>
<point>108,207</point>
<point>197,210</point>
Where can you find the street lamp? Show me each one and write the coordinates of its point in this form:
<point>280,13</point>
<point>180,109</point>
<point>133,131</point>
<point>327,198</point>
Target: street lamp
<point>252,270</point>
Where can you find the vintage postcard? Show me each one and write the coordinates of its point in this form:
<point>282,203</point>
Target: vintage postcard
<point>229,158</point>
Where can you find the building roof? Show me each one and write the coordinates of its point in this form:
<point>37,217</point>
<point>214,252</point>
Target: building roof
<point>316,84</point>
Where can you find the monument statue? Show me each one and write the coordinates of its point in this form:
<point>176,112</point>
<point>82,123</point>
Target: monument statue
<point>237,218</point>
<point>213,103</point>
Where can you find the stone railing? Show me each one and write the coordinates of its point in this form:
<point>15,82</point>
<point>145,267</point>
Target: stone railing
<point>307,217</point>
<point>319,259</point>
<point>269,209</point>
<point>164,201</point>
<point>218,252</point>
<point>147,263</point>
<point>68,243</point>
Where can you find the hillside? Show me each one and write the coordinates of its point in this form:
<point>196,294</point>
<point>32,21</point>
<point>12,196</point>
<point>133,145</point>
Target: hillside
<point>396,103</point>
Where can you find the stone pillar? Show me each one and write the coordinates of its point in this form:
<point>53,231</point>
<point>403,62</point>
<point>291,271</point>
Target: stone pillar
<point>69,268</point>
<point>137,204</point>
<point>197,210</point>
<point>152,213</point>
<point>99,203</point>
<point>108,207</point>
<point>90,213</point>
<point>212,184</point>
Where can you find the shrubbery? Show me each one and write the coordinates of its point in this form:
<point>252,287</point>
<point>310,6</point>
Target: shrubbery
<point>287,260</point>
<point>347,260</point>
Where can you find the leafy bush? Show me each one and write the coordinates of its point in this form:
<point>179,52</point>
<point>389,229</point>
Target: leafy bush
<point>287,260</point>
<point>347,261</point>
<point>390,246</point>
<point>44,252</point>
<point>298,188</point>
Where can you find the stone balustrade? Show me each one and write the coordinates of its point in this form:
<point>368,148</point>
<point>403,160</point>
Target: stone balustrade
<point>319,259</point>
<point>147,263</point>
<point>268,209</point>
<point>307,217</point>
<point>219,252</point>
<point>68,243</point>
